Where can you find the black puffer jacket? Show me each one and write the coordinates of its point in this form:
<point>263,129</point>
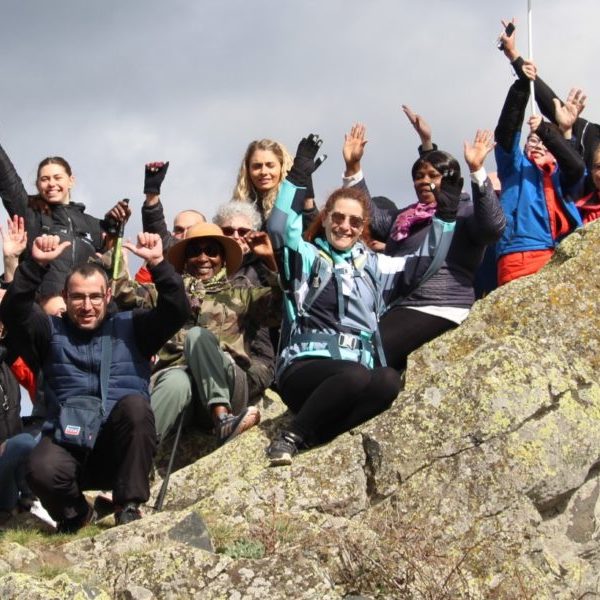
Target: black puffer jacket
<point>69,221</point>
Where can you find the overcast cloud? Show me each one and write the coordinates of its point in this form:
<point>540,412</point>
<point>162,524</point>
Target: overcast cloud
<point>111,85</point>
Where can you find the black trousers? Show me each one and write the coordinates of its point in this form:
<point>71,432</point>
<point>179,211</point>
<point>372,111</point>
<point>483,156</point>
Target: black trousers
<point>403,330</point>
<point>120,460</point>
<point>329,397</point>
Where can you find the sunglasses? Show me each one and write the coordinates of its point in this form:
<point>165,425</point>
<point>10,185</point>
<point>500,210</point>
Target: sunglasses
<point>231,231</point>
<point>339,218</point>
<point>211,249</point>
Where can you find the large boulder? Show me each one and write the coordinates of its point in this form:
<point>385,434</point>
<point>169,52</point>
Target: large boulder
<point>482,481</point>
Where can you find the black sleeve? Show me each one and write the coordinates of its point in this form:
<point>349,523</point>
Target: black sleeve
<point>12,191</point>
<point>154,327</point>
<point>308,216</point>
<point>153,221</point>
<point>25,321</point>
<point>570,163</point>
<point>486,224</point>
<point>512,115</point>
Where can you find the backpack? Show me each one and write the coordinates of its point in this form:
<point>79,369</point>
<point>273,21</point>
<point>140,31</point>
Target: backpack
<point>10,404</point>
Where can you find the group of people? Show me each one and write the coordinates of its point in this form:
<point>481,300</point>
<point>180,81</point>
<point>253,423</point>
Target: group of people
<point>326,304</point>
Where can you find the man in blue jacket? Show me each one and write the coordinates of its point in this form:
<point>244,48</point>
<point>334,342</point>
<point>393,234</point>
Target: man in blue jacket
<point>114,448</point>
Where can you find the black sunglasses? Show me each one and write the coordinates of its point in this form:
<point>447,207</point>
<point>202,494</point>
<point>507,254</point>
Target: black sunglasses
<point>211,248</point>
<point>241,231</point>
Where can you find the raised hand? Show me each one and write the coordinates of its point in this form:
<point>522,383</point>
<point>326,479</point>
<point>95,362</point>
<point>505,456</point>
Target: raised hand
<point>154,175</point>
<point>260,244</point>
<point>530,69</point>
<point>14,240</point>
<point>509,42</point>
<point>120,212</point>
<point>354,148</point>
<point>476,153</point>
<point>421,127</point>
<point>149,248</point>
<point>534,122</point>
<point>46,248</point>
<point>304,161</point>
<point>566,114</point>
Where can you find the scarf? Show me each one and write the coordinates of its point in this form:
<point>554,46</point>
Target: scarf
<point>415,214</point>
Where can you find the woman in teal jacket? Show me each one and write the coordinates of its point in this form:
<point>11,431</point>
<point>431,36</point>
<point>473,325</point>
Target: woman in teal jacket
<point>331,371</point>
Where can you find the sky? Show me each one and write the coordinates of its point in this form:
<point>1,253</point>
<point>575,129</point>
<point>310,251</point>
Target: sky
<point>112,85</point>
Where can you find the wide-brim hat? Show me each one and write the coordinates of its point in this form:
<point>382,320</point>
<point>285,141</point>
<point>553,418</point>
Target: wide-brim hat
<point>233,252</point>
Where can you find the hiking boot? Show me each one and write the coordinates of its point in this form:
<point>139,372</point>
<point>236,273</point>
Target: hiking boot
<point>130,512</point>
<point>283,448</point>
<point>230,426</point>
<point>74,524</point>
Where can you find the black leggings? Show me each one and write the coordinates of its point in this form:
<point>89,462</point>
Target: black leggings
<point>329,397</point>
<point>403,330</point>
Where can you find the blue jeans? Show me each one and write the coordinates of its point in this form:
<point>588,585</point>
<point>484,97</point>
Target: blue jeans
<point>13,458</point>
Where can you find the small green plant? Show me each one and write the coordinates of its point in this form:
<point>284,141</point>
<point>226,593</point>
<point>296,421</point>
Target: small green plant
<point>245,548</point>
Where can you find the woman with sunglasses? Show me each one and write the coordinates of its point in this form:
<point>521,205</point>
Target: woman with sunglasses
<point>237,220</point>
<point>331,371</point>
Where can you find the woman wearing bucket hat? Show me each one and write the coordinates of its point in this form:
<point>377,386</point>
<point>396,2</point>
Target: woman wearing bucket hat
<point>210,358</point>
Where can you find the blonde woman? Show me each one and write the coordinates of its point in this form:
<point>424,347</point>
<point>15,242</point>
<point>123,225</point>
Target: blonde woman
<point>264,166</point>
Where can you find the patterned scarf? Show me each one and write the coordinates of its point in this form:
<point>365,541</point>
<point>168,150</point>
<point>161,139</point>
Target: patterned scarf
<point>415,214</point>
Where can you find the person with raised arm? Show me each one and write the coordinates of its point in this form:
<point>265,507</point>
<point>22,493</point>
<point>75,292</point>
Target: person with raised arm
<point>331,371</point>
<point>99,432</point>
<point>424,307</point>
<point>541,181</point>
<point>52,211</point>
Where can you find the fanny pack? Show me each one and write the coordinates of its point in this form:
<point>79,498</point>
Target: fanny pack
<point>80,417</point>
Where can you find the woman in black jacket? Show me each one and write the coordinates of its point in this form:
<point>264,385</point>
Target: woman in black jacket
<point>52,211</point>
<point>426,304</point>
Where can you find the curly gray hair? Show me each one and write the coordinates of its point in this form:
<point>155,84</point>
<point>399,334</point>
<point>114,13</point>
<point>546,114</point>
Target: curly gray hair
<point>234,208</point>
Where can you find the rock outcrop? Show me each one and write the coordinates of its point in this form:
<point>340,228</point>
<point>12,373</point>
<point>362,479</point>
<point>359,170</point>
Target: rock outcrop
<point>482,481</point>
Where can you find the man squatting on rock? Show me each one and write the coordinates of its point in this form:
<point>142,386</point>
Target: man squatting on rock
<point>69,351</point>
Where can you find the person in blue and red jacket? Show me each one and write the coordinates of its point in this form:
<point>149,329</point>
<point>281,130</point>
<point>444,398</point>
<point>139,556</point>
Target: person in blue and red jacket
<point>540,182</point>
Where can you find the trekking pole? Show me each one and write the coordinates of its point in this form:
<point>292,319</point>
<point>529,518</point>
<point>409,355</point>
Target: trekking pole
<point>117,256</point>
<point>530,42</point>
<point>165,484</point>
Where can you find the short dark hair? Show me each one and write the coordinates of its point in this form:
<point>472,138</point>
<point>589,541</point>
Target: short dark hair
<point>441,161</point>
<point>86,270</point>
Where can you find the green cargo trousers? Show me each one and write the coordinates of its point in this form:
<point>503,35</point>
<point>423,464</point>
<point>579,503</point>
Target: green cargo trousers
<point>209,372</point>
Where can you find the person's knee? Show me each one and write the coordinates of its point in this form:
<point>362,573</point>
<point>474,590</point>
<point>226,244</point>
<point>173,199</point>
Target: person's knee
<point>135,409</point>
<point>357,378</point>
<point>198,338</point>
<point>389,382</point>
<point>42,467</point>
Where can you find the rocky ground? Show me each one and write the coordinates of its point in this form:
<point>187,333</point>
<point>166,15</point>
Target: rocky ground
<point>480,482</point>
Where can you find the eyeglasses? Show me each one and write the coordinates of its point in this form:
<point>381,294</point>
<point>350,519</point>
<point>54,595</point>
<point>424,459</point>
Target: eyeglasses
<point>355,221</point>
<point>79,299</point>
<point>241,231</point>
<point>211,249</point>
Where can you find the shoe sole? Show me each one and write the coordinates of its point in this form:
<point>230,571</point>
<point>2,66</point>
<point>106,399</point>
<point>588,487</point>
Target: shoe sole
<point>281,461</point>
<point>251,419</point>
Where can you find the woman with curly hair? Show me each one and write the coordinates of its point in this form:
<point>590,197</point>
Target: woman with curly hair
<point>264,167</point>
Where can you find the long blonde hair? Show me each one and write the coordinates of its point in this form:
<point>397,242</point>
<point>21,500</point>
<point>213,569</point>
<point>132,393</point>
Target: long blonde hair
<point>246,192</point>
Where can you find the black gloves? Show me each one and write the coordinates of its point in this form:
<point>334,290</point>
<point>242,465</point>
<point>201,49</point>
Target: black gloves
<point>448,196</point>
<point>304,162</point>
<point>154,176</point>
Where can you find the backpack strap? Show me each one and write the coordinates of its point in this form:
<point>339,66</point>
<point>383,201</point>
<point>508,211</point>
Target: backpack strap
<point>105,361</point>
